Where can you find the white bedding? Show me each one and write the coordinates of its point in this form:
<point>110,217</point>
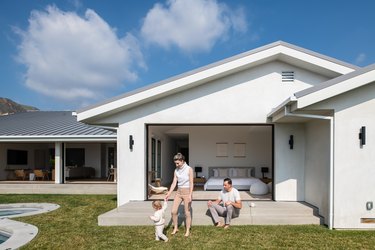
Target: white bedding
<point>241,183</point>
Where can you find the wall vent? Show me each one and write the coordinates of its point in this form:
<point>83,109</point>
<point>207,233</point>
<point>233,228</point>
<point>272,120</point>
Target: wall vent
<point>287,76</point>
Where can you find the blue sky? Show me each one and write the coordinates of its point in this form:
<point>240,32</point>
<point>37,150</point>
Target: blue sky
<point>65,55</point>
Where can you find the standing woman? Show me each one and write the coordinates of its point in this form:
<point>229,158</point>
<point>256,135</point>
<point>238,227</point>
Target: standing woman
<point>183,177</point>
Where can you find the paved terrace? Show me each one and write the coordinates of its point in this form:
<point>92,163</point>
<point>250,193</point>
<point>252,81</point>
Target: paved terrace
<point>263,213</point>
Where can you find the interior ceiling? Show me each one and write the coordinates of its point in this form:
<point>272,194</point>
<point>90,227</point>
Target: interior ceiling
<point>181,131</point>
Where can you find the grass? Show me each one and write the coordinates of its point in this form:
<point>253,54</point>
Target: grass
<point>74,226</point>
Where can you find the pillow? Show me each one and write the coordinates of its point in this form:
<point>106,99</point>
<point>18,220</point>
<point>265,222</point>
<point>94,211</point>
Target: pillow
<point>242,172</point>
<point>216,172</point>
<point>232,172</point>
<point>223,172</point>
<point>249,172</point>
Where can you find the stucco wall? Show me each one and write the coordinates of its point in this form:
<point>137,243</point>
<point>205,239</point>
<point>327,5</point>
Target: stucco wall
<point>354,168</point>
<point>289,163</point>
<point>317,165</point>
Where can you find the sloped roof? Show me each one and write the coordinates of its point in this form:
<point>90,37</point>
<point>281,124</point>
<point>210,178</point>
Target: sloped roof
<point>328,89</point>
<point>336,86</point>
<point>275,51</point>
<point>50,126</point>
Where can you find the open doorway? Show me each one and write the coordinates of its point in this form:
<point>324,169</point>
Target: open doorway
<point>212,146</point>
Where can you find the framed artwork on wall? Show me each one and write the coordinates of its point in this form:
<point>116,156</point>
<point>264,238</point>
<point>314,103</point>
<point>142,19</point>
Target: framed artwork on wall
<point>221,149</point>
<point>239,149</point>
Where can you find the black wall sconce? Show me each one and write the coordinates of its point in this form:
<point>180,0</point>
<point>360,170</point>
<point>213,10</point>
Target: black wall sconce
<point>197,170</point>
<point>131,142</point>
<point>362,136</point>
<point>291,142</point>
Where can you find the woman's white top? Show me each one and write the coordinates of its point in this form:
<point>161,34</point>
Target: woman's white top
<point>182,175</point>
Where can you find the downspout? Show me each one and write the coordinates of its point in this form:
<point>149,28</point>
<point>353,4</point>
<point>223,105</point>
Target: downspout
<point>331,166</point>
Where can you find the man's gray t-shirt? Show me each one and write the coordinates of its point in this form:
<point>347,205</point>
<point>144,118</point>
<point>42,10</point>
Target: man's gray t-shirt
<point>232,195</point>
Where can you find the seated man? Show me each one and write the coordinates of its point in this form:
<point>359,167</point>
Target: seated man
<point>230,207</point>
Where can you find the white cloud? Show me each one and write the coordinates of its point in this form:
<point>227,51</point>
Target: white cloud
<point>72,58</point>
<point>360,58</point>
<point>191,25</point>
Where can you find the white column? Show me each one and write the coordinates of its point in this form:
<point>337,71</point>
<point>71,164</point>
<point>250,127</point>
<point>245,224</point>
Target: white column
<point>58,163</point>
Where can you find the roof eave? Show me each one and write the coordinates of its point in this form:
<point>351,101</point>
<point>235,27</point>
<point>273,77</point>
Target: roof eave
<point>207,73</point>
<point>22,138</point>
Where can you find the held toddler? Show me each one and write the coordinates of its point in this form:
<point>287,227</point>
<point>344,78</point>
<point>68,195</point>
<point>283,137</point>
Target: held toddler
<point>159,220</point>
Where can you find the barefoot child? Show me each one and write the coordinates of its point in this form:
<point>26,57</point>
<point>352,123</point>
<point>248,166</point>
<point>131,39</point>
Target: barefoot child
<point>158,219</point>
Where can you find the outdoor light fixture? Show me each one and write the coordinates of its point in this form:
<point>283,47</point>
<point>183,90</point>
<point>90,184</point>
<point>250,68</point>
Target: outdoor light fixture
<point>131,142</point>
<point>291,142</point>
<point>362,136</point>
<point>369,205</point>
<point>197,170</point>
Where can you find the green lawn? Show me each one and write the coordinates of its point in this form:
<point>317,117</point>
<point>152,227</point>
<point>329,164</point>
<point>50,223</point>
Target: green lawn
<point>74,226</point>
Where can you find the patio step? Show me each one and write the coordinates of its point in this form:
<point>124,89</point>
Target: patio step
<point>263,213</point>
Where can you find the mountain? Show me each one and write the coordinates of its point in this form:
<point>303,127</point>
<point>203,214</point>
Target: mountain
<point>8,106</point>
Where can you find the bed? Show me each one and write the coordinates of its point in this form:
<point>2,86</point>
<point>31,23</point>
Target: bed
<point>242,177</point>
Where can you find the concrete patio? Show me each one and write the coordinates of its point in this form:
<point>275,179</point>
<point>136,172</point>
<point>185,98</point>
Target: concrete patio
<point>263,213</point>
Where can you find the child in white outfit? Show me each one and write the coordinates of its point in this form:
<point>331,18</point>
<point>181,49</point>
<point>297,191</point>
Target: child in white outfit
<point>159,220</point>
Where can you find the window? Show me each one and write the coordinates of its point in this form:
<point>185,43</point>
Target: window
<point>75,157</point>
<point>16,157</point>
<point>153,155</point>
<point>158,160</point>
<point>156,157</point>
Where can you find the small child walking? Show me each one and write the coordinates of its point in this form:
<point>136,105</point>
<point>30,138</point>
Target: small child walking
<point>158,219</point>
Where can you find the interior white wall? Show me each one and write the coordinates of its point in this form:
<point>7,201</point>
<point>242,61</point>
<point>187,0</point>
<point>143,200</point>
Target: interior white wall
<point>202,147</point>
<point>289,163</point>
<point>92,155</point>
<point>354,168</point>
<point>258,145</point>
<point>317,160</point>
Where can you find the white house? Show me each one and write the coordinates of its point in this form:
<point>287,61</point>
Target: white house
<point>297,112</point>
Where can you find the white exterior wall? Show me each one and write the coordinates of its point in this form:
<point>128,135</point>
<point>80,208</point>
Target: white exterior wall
<point>242,98</point>
<point>289,179</point>
<point>131,165</point>
<point>317,159</point>
<point>354,168</point>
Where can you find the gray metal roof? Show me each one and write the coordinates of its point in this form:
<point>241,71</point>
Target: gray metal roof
<point>48,124</point>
